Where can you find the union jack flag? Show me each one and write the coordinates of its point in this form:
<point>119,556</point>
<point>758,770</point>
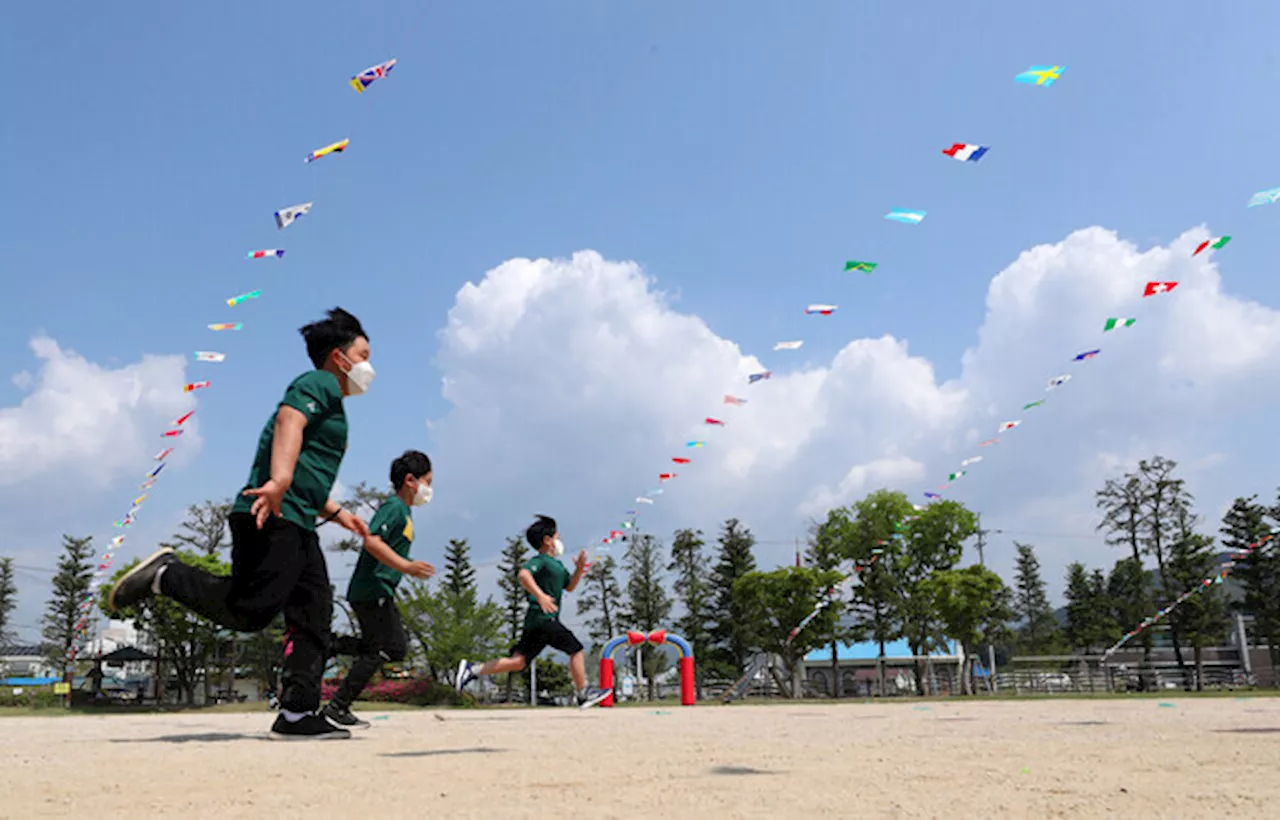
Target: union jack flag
<point>365,78</point>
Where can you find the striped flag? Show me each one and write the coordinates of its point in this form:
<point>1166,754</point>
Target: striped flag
<point>1115,322</point>
<point>1215,243</point>
<point>734,400</point>
<point>270,253</point>
<point>965,152</point>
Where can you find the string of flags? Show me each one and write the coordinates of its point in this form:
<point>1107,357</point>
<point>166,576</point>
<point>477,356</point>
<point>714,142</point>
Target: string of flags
<point>176,429</point>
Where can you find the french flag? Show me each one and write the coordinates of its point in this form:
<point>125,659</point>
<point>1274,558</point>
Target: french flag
<point>965,152</point>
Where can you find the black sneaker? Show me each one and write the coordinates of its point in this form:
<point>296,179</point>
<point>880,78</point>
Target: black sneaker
<point>309,727</point>
<point>592,696</point>
<point>135,586</point>
<point>342,716</point>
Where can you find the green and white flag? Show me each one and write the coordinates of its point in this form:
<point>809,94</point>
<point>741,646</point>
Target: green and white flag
<point>1114,323</point>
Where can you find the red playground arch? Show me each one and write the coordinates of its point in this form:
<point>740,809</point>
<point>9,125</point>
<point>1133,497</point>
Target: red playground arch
<point>658,637</point>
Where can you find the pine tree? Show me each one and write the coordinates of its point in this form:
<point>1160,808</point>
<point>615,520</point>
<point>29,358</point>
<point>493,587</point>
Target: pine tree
<point>1166,503</point>
<point>364,501</point>
<point>730,633</point>
<point>70,586</point>
<point>601,594</point>
<point>514,597</point>
<point>693,592</point>
<point>1201,619</point>
<point>1259,574</point>
<point>8,597</point>
<point>459,574</point>
<point>1089,622</point>
<point>648,605</point>
<point>1121,502</point>
<point>1038,632</point>
<point>1128,588</point>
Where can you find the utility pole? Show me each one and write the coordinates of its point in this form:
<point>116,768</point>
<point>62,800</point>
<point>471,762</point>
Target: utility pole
<point>797,552</point>
<point>982,542</point>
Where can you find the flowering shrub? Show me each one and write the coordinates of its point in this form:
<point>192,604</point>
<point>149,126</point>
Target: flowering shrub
<point>415,691</point>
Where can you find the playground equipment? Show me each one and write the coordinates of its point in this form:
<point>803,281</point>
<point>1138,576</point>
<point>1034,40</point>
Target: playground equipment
<point>657,637</point>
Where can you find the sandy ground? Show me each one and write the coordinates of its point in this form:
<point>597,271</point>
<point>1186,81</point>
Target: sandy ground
<point>1030,759</point>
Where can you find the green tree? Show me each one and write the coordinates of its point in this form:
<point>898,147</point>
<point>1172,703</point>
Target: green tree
<point>1258,574</point>
<point>601,595</point>
<point>831,544</point>
<point>693,592</point>
<point>205,528</point>
<point>772,603</point>
<point>1038,629</point>
<point>1202,618</point>
<point>1127,594</point>
<point>729,631</point>
<point>514,598</point>
<point>185,641</point>
<point>8,597</point>
<point>1090,624</point>
<point>553,678</point>
<point>973,605</point>
<point>363,501</point>
<point>648,605</point>
<point>70,586</point>
<point>451,623</point>
<point>877,596</point>
<point>932,541</point>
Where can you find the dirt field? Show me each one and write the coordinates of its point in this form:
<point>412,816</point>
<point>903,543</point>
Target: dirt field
<point>1030,759</point>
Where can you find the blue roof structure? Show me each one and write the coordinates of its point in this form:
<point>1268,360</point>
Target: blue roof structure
<point>870,650</point>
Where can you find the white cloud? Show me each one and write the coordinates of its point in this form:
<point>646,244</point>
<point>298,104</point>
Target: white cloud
<point>573,382</point>
<point>88,423</point>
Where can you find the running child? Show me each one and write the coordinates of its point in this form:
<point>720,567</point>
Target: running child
<point>372,590</point>
<point>545,579</point>
<point>276,561</point>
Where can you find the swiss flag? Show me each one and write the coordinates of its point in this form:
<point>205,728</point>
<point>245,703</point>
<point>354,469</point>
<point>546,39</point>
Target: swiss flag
<point>1159,287</point>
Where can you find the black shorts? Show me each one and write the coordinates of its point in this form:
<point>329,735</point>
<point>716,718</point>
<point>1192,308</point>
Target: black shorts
<point>539,636</point>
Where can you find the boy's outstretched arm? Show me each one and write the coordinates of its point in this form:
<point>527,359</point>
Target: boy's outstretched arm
<point>379,549</point>
<point>531,586</point>
<point>579,569</point>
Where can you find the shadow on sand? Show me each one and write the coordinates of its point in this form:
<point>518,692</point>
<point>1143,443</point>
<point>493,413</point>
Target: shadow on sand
<point>201,737</point>
<point>474,750</point>
<point>738,770</point>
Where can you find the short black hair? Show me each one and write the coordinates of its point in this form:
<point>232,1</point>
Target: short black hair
<point>336,332</point>
<point>545,526</point>
<point>410,463</point>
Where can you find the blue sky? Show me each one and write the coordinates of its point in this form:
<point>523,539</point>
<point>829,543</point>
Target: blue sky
<point>739,151</point>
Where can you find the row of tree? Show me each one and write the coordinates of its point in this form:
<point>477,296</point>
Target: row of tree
<point>910,586</point>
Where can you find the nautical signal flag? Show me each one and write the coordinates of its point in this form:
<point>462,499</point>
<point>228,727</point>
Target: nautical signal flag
<point>965,152</point>
<point>1158,287</point>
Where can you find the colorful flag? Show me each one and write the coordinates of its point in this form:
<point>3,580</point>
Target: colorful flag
<point>180,420</point>
<point>1158,287</point>
<point>1008,425</point>
<point>194,386</point>
<point>965,152</point>
<point>824,310</point>
<point>1115,322</point>
<point>1058,381</point>
<point>163,454</point>
<point>272,253</point>
<point>865,267</point>
<point>1041,74</point>
<point>1215,243</point>
<point>244,297</point>
<point>365,78</point>
<point>710,420</point>
<point>906,216</point>
<point>332,148</point>
<point>1264,197</point>
<point>681,460</point>
<point>695,444</point>
<point>1088,354</point>
<point>227,326</point>
<point>666,476</point>
<point>171,433</point>
<point>1032,404</point>
<point>956,476</point>
<point>209,356</point>
<point>734,400</point>
<point>286,216</point>
<point>932,495</point>
<point>755,377</point>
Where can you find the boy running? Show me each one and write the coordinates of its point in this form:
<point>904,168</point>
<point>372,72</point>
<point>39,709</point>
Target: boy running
<point>545,579</point>
<point>372,590</point>
<point>276,561</point>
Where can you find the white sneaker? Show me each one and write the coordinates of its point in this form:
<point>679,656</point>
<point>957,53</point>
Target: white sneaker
<point>465,675</point>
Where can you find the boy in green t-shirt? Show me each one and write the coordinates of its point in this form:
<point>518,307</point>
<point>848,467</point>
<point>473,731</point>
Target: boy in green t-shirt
<point>276,561</point>
<point>372,590</point>
<point>545,579</point>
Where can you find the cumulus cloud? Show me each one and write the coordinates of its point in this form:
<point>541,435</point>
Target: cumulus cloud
<point>574,381</point>
<point>82,419</point>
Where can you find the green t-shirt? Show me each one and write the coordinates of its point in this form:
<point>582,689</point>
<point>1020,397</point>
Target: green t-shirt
<point>317,396</point>
<point>374,580</point>
<point>552,578</point>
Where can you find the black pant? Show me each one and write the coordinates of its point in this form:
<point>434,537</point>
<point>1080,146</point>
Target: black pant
<point>382,640</point>
<point>277,568</point>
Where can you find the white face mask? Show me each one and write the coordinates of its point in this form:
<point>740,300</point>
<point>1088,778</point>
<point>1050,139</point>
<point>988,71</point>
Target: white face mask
<point>423,495</point>
<point>558,548</point>
<point>359,377</point>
